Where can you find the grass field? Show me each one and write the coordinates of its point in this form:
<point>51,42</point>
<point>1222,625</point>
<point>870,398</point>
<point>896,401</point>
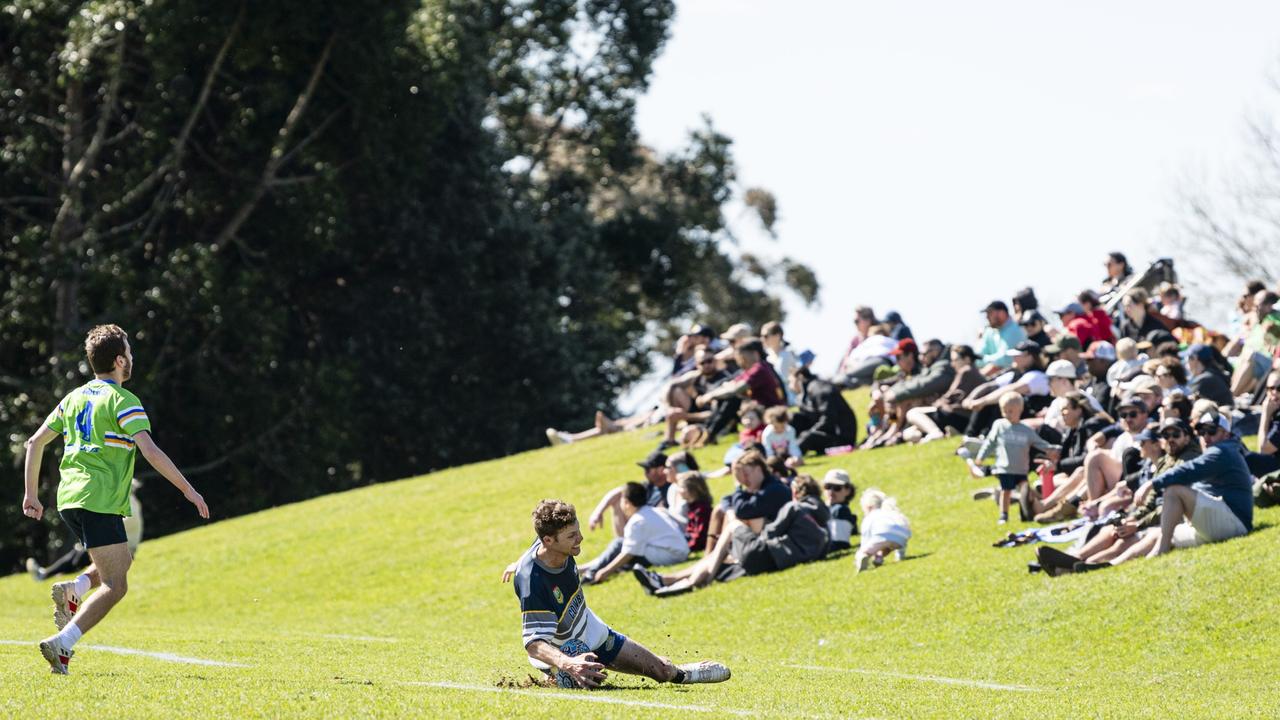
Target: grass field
<point>386,601</point>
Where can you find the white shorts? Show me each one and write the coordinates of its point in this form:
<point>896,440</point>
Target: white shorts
<point>1211,522</point>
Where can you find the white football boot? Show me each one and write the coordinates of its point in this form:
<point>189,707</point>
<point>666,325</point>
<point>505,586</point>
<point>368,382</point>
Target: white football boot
<point>58,657</point>
<point>707,671</point>
<point>65,602</point>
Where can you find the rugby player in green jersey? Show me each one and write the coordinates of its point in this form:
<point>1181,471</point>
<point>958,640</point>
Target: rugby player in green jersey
<point>101,425</point>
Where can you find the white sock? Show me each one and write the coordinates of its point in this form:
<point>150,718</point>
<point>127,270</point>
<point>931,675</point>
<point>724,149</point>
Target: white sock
<point>82,585</point>
<point>70,635</point>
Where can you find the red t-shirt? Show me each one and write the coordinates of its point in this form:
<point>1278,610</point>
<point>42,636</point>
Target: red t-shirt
<point>762,385</point>
<point>1082,328</point>
<point>1102,326</point>
<point>699,515</point>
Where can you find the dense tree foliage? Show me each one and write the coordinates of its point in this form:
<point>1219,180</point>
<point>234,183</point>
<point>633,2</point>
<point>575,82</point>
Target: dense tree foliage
<point>352,240</point>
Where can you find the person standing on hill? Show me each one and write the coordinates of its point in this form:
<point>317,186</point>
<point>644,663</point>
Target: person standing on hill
<point>101,424</point>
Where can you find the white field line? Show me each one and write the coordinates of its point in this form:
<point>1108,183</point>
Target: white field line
<point>581,697</point>
<point>925,678</point>
<point>167,657</point>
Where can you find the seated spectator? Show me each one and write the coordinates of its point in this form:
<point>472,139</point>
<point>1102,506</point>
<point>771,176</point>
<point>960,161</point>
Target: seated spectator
<point>1171,301</point>
<point>604,425</point>
<point>731,339</point>
<point>706,376</point>
<point>695,497</point>
<point>1171,375</point>
<point>795,534</point>
<point>751,416</point>
<point>844,524</point>
<point>677,464</point>
<point>923,387</point>
<point>1137,319</point>
<point>1208,379</point>
<point>1210,498</point>
<point>860,365</point>
<point>1000,336</point>
<point>649,537</point>
<point>1068,348</point>
<point>779,438</point>
<point>1128,362</point>
<point>1033,324</point>
<point>1010,442</point>
<point>758,495</point>
<point>758,381</point>
<point>1026,378</point>
<point>698,337</point>
<point>1118,273</point>
<point>1147,389</point>
<point>863,320</point>
<point>1258,352</point>
<point>1267,459</point>
<point>1062,383</point>
<point>1099,320</point>
<point>1080,422</point>
<point>655,484</point>
<point>884,530</point>
<point>1098,360</point>
<point>898,330</point>
<point>778,354</point>
<point>824,419</point>
<point>1176,405</point>
<point>1079,325</point>
<point>946,413</point>
<point>1024,300</point>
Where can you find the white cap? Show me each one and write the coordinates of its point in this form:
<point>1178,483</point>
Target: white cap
<point>1061,369</point>
<point>1215,419</point>
<point>836,476</point>
<point>737,331</point>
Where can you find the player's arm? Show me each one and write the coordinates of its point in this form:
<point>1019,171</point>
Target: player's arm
<point>163,465</point>
<point>582,668</point>
<point>35,445</point>
<point>618,563</point>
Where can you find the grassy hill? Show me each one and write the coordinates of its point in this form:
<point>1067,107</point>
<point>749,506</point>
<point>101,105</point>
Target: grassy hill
<point>386,601</point>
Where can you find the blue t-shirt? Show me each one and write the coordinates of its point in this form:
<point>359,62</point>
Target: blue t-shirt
<point>764,503</point>
<point>1220,471</point>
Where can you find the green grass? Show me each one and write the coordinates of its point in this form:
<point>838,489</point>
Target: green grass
<point>418,561</point>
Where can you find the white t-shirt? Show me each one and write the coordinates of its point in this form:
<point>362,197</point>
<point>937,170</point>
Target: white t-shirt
<point>651,533</point>
<point>1120,444</point>
<point>1036,381</point>
<point>874,346</point>
<point>783,362</point>
<point>881,525</point>
<point>780,443</point>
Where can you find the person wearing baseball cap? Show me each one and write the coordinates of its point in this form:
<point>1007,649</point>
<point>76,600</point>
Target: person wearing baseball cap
<point>1033,324</point>
<point>843,524</point>
<point>1207,499</point>
<point>1062,382</point>
<point>1179,443</point>
<point>999,336</point>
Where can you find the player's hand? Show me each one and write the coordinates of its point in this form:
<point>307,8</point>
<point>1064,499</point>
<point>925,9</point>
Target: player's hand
<point>585,670</point>
<point>197,499</point>
<point>507,573</point>
<point>32,508</point>
<point>595,521</point>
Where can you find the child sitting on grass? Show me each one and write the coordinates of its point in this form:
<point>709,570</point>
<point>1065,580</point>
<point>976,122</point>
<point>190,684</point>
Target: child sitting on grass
<point>1011,442</point>
<point>843,524</point>
<point>752,418</point>
<point>884,530</point>
<point>779,438</point>
<point>697,504</point>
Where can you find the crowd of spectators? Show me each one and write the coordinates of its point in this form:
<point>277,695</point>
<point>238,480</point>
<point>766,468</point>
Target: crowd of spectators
<point>1117,413</point>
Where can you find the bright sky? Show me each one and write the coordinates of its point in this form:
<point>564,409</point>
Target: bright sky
<point>929,156</point>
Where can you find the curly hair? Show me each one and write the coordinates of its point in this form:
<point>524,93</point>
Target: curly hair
<point>103,345</point>
<point>552,516</point>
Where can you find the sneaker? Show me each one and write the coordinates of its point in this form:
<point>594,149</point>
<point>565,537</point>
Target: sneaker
<point>648,579</point>
<point>58,657</point>
<point>1004,518</point>
<point>65,602</point>
<point>678,588</point>
<point>707,671</point>
<point>984,493</point>
<point>861,562</point>
<point>553,437</point>
<point>900,555</point>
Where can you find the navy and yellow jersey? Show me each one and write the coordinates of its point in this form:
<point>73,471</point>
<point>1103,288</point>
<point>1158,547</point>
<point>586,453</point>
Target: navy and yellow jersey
<point>552,605</point>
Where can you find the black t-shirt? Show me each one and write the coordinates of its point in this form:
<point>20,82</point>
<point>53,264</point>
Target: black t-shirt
<point>1273,433</point>
<point>1213,386</point>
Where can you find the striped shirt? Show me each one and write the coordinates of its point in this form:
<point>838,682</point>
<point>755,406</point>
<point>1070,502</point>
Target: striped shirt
<point>552,606</point>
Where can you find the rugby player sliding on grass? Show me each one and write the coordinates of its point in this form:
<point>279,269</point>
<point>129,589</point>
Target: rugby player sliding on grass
<point>558,625</point>
<point>101,424</point>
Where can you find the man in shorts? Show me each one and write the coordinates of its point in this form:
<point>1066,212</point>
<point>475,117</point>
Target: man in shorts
<point>555,614</point>
<point>1207,499</point>
<point>101,425</point>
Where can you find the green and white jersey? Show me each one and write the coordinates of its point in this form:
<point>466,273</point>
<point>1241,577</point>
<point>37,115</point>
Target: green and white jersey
<point>98,421</point>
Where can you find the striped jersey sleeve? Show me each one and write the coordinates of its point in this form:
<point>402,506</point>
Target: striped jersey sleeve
<point>55,421</point>
<point>130,415</point>
<point>539,618</point>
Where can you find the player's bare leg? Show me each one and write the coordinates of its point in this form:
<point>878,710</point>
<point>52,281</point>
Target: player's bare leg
<point>636,659</point>
<point>67,595</point>
<point>112,563</point>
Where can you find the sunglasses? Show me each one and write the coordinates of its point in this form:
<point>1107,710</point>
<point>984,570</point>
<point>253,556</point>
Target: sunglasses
<point>1171,434</point>
<point>1129,415</point>
<point>1207,430</point>
<point>1273,388</point>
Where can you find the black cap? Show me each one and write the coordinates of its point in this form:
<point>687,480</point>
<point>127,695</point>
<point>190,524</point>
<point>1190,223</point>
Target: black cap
<point>656,459</point>
<point>1031,347</point>
<point>1131,400</point>
<point>996,305</point>
<point>1171,423</point>
<point>702,330</point>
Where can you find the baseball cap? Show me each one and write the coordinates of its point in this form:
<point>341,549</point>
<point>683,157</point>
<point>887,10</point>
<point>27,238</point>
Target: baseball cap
<point>1142,384</point>
<point>995,305</point>
<point>1148,434</point>
<point>904,345</point>
<point>1026,346</point>
<point>893,317</point>
<point>1214,417</point>
<point>656,459</point>
<point>836,477</point>
<point>737,331</point>
<point>1171,423</point>
<point>1061,369</point>
<point>1066,342</point>
<point>1100,350</point>
<point>702,331</point>
<point>1131,401</point>
<point>1200,352</point>
<point>1074,307</point>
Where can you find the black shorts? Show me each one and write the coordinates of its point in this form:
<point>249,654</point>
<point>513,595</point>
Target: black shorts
<point>1010,481</point>
<point>95,529</point>
<point>751,551</point>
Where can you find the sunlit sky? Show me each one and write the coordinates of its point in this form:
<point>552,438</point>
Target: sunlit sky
<point>930,156</point>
